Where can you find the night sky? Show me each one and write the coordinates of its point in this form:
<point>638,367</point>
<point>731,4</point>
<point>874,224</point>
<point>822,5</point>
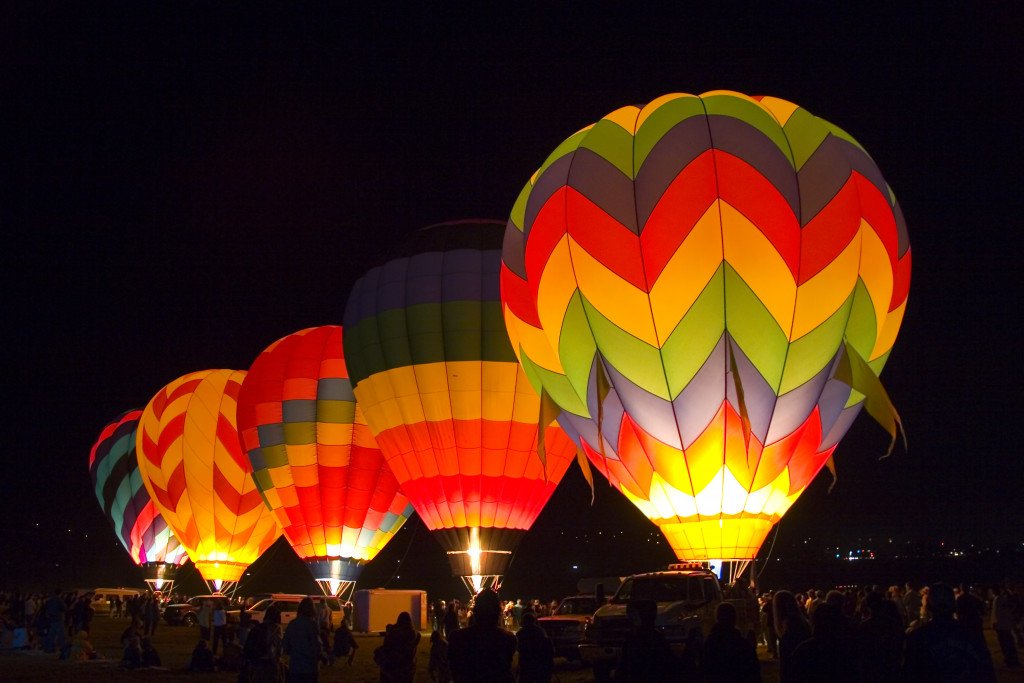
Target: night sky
<point>185,187</point>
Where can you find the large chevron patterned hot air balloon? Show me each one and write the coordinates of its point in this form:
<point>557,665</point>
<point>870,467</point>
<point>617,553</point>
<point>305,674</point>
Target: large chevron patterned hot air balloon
<point>200,480</point>
<point>315,460</point>
<point>450,406</point>
<point>708,287</point>
<point>114,470</point>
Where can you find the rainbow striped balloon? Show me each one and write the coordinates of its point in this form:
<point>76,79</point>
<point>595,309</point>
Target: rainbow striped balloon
<point>708,287</point>
<point>114,470</point>
<point>197,475</point>
<point>442,391</point>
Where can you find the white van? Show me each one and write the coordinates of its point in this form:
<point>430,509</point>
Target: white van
<point>288,605</point>
<point>101,597</point>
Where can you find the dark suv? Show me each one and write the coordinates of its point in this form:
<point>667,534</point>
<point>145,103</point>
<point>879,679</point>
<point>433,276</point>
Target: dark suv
<point>566,624</point>
<point>686,595</point>
<point>185,613</point>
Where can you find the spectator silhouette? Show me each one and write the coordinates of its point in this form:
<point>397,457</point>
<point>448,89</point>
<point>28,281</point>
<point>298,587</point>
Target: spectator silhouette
<point>941,649</point>
<point>728,656</point>
<point>646,655</point>
<point>202,658</point>
<point>536,652</point>
<point>345,644</point>
<point>483,650</point>
<point>825,656</point>
<point>150,657</point>
<point>451,619</point>
<point>397,656</point>
<point>262,651</point>
<point>1005,611</point>
<point>438,668</point>
<point>791,628</point>
<point>879,639</point>
<point>301,643</point>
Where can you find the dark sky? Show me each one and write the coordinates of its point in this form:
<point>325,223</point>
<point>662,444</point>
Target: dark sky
<point>184,187</point>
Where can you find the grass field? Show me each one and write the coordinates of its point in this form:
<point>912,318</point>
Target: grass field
<point>175,647</point>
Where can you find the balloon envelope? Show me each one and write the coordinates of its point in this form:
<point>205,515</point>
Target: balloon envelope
<point>447,400</point>
<point>315,461</point>
<point>117,482</point>
<point>713,283</point>
<point>200,480</point>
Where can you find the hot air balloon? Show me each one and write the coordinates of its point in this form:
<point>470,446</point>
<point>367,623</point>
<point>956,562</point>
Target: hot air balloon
<point>200,480</point>
<point>708,287</point>
<point>114,470</point>
<point>450,406</point>
<point>314,460</point>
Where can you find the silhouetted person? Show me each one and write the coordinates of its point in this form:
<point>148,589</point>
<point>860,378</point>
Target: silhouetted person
<point>880,639</point>
<point>345,644</point>
<point>483,650</point>
<point>396,657</point>
<point>824,657</point>
<point>202,658</point>
<point>1004,618</point>
<point>728,656</point>
<point>940,649</point>
<point>646,655</point>
<point>536,652</point>
<point>262,651</point>
<point>218,622</point>
<point>451,619</point>
<point>438,667</point>
<point>301,642</point>
<point>150,657</point>
<point>791,627</point>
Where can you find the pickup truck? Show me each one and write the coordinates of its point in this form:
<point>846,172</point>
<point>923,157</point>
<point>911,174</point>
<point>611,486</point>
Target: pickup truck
<point>687,596</point>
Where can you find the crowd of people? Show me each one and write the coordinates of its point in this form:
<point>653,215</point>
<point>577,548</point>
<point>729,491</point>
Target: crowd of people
<point>906,632</point>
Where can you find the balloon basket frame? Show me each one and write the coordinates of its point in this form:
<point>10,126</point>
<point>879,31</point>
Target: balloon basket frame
<point>343,590</point>
<point>492,581</point>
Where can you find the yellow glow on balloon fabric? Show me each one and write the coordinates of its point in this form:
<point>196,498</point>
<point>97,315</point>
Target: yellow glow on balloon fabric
<point>198,477</point>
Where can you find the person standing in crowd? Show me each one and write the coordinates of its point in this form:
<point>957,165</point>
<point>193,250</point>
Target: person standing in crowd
<point>792,629</point>
<point>728,656</point>
<point>536,652</point>
<point>150,615</point>
<point>438,667</point>
<point>1005,607</point>
<point>482,651</point>
<point>940,649</point>
<point>301,643</point>
<point>218,621</point>
<point>646,655</point>
<point>204,617</point>
<point>262,650</point>
<point>53,617</point>
<point>451,619</point>
<point>396,657</point>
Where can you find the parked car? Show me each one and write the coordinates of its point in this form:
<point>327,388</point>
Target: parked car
<point>101,597</point>
<point>186,613</point>
<point>288,606</point>
<point>566,624</point>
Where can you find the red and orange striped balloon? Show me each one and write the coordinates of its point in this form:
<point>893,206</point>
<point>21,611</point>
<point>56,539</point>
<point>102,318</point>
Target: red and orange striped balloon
<point>315,460</point>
